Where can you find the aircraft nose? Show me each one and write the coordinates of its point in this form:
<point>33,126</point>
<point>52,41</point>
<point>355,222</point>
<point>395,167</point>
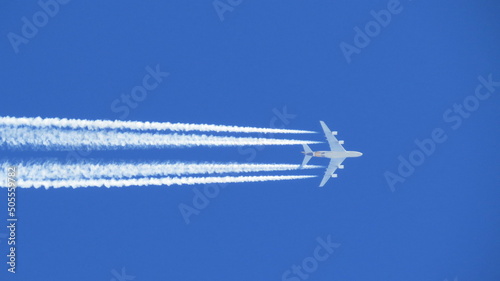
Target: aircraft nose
<point>360,154</point>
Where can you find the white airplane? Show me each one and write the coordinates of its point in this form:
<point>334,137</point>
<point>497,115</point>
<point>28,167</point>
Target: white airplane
<point>337,154</point>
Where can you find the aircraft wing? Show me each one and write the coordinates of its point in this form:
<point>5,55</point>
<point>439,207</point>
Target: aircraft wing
<point>334,164</point>
<point>332,140</point>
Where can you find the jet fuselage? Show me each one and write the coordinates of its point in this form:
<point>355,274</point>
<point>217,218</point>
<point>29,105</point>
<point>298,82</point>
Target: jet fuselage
<point>333,154</point>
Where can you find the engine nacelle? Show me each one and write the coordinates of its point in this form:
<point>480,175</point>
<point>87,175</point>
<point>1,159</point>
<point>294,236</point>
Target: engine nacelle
<point>334,175</point>
<point>335,133</point>
<point>341,166</point>
<point>341,142</point>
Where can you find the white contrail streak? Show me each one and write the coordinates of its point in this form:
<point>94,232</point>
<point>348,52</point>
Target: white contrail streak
<point>60,139</point>
<point>135,125</point>
<point>151,181</point>
<point>94,170</point>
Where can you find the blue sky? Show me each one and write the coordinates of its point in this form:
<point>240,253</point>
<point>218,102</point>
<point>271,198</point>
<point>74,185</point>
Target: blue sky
<point>245,66</point>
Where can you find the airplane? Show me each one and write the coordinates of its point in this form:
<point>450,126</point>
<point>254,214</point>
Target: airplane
<point>337,154</point>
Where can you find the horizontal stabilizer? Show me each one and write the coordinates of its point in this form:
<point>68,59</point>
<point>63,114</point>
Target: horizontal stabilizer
<point>306,160</point>
<point>307,149</point>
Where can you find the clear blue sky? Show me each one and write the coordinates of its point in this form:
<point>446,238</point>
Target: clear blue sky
<point>442,222</point>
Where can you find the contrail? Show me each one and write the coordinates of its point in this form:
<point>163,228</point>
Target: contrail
<point>135,125</point>
<point>150,181</point>
<point>52,170</point>
<point>61,139</point>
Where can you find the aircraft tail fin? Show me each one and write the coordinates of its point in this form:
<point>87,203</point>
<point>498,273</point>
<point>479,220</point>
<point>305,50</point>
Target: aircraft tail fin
<point>307,150</point>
